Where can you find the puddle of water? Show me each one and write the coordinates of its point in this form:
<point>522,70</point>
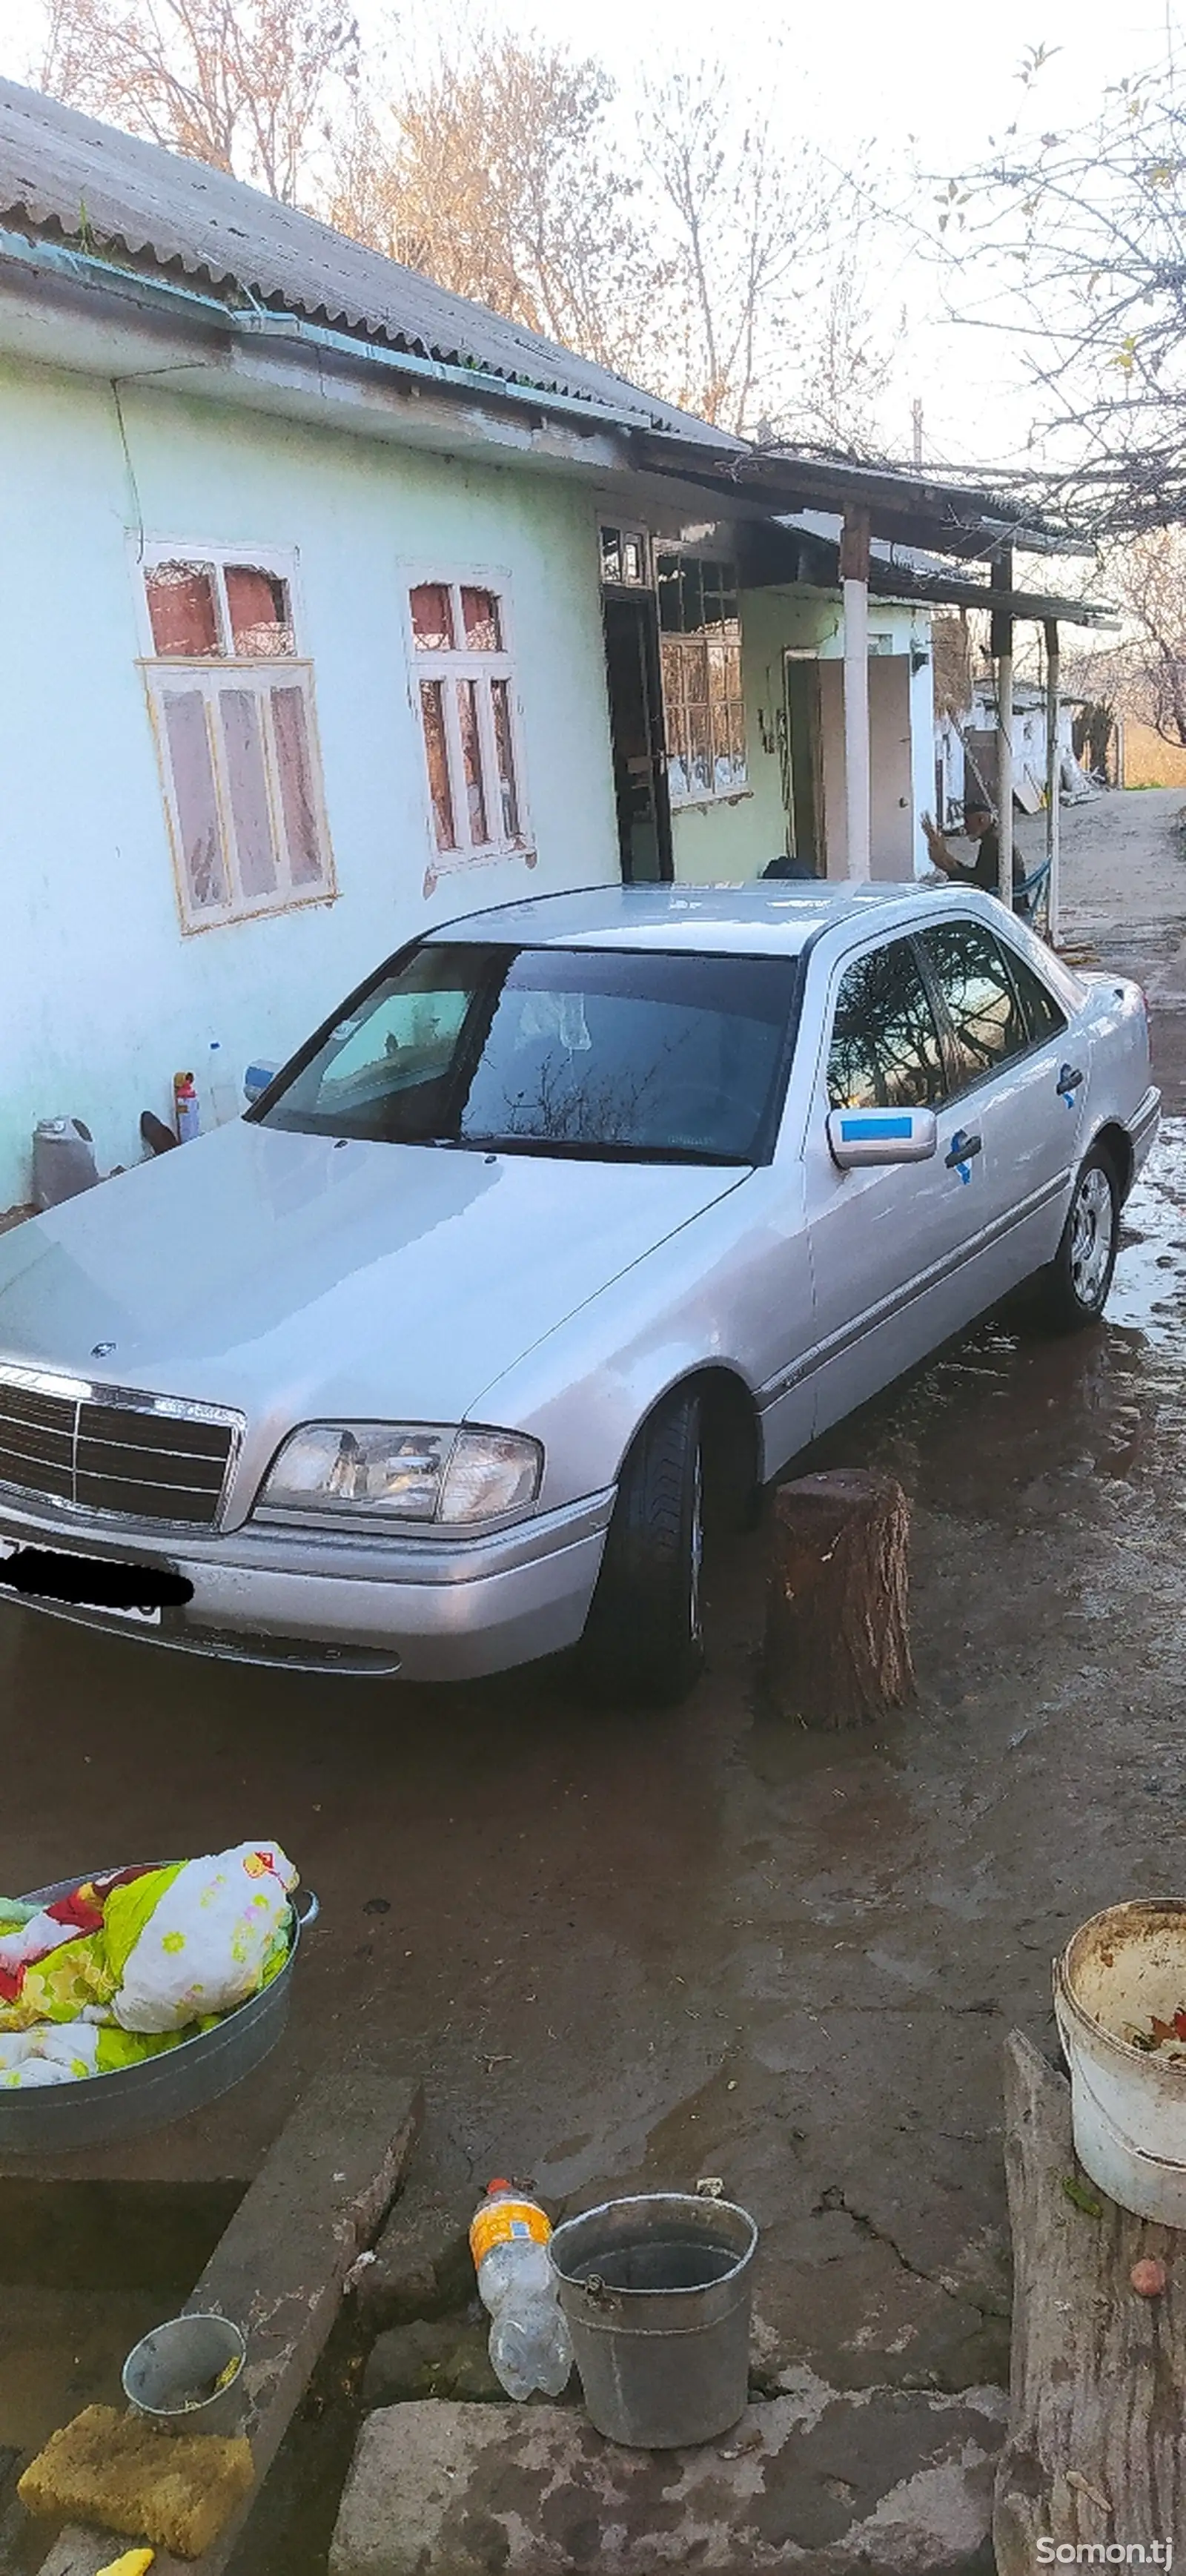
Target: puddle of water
<point>1009,1416</point>
<point>1149,1289</point>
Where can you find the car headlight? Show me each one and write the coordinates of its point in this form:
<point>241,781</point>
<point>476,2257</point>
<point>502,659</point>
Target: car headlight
<point>406,1471</point>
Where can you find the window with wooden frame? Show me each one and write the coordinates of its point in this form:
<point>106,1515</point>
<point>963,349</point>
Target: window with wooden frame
<point>700,653</point>
<point>625,559</point>
<point>468,720</point>
<point>232,709</point>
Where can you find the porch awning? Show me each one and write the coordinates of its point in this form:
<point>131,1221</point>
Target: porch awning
<point>912,509</point>
<point>771,555</point>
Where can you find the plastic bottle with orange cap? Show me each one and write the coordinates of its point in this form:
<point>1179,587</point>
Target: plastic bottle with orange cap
<point>529,2340</point>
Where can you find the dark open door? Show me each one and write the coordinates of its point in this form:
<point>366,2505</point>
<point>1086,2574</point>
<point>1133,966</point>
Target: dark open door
<point>636,738</point>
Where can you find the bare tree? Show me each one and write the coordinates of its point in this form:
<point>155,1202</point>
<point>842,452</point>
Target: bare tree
<point>697,258</point>
<point>1080,235</point>
<point>495,174</point>
<point>243,84</point>
<point>1145,673</point>
<point>848,352</point>
<point>750,237</point>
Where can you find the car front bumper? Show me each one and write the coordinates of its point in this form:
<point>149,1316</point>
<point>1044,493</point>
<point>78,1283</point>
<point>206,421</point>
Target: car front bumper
<point>422,1609</point>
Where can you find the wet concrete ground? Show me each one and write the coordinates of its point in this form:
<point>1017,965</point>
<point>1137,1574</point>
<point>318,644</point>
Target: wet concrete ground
<point>629,1950</point>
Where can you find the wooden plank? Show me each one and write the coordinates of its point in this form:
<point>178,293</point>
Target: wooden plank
<point>1096,2448</point>
<point>278,2271</point>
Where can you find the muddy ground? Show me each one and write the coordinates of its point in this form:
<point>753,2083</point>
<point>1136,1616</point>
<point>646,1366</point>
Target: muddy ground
<point>630,1950</point>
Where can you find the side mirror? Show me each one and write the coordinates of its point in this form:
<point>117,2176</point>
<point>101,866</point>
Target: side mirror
<point>256,1080</point>
<point>860,1136</point>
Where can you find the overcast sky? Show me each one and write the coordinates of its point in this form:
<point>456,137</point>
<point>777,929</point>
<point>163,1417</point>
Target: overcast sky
<point>862,80</point>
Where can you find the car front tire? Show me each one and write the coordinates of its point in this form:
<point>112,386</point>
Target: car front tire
<point>1074,1290</point>
<point>644,1640</point>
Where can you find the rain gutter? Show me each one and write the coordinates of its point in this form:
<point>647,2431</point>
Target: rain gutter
<point>258,322</point>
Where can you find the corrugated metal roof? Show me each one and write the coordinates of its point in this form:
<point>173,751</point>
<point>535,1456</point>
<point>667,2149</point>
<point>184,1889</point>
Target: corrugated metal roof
<point>67,174</point>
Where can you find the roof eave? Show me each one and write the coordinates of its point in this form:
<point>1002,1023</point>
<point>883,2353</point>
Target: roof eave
<point>945,518</point>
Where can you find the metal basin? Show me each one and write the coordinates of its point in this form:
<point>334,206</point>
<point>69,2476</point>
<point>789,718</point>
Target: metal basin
<point>170,2375</point>
<point>55,2118</point>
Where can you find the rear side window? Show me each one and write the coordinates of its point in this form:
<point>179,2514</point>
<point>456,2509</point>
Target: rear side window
<point>988,1025</point>
<point>1042,1012</point>
<point>885,1051</point>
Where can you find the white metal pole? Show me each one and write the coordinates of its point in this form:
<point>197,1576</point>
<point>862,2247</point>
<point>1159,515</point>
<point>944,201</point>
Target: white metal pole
<point>1005,773</point>
<point>854,569</point>
<point>1053,779</point>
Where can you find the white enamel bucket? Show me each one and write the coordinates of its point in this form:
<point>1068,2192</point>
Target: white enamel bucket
<point>1128,2104</point>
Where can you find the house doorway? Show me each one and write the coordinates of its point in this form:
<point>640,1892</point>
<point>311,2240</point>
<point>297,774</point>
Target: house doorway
<point>636,738</point>
<point>802,766</point>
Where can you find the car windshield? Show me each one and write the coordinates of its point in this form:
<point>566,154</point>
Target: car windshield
<point>611,1054</point>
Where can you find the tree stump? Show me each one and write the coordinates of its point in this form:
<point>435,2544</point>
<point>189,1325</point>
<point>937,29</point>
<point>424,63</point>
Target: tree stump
<point>837,1643</point>
<point>1095,2455</point>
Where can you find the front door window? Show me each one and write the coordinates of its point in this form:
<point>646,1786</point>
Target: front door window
<point>885,1051</point>
<point>988,1025</point>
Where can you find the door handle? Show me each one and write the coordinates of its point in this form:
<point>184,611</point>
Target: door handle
<point>962,1150</point>
<point>1069,1080</point>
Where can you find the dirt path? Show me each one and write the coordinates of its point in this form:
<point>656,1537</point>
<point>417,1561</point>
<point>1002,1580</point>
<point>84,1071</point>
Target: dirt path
<point>1124,861</point>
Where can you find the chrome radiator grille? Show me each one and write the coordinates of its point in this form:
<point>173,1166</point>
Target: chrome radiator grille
<point>109,1449</point>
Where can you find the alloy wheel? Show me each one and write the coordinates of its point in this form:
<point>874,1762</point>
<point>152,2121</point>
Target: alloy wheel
<point>1093,1224</point>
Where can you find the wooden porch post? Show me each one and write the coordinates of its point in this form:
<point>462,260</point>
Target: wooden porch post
<point>1001,645</point>
<point>1053,776</point>
<point>854,578</point>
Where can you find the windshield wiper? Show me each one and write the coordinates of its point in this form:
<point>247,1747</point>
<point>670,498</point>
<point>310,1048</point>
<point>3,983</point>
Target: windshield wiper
<point>578,1149</point>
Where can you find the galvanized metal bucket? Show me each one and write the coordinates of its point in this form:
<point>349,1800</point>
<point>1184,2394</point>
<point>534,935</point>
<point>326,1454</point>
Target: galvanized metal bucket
<point>657,2291</point>
<point>184,2377</point>
<point>133,2100</point>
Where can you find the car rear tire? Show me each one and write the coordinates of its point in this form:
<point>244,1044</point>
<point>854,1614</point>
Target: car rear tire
<point>1073,1291</point>
<point>644,1641</point>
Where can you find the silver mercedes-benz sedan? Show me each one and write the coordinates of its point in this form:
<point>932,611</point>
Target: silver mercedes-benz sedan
<point>578,1218</point>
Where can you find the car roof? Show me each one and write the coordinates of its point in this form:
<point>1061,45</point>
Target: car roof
<point>773,917</point>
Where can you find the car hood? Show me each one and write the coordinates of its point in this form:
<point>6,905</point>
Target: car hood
<point>295,1278</point>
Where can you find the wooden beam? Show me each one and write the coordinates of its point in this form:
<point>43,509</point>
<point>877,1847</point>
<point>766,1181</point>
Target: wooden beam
<point>1002,647</point>
<point>1095,2451</point>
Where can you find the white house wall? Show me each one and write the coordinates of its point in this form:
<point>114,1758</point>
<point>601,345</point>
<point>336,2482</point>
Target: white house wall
<point>103,996</point>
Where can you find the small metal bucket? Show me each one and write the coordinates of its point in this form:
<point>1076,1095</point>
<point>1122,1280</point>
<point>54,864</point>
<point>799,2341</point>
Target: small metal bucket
<point>170,2375</point>
<point>657,2293</point>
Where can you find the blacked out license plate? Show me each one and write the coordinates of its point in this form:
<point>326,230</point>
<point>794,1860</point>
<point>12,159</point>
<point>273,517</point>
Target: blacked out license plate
<point>135,1592</point>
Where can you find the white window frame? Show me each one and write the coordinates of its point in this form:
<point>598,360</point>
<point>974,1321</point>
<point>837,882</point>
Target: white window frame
<point>257,675</point>
<point>624,530</point>
<point>462,664</point>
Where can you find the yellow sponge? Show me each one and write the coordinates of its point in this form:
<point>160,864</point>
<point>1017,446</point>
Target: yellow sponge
<point>135,2562</point>
<point>177,2491</point>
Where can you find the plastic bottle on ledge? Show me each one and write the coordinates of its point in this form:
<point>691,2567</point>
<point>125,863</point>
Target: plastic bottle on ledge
<point>221,1095</point>
<point>186,1113</point>
<point>529,2339</point>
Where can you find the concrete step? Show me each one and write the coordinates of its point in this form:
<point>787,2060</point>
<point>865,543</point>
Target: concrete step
<point>821,2480</point>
